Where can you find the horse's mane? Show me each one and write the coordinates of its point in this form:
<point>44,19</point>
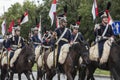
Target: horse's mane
<point>26,50</point>
<point>74,46</point>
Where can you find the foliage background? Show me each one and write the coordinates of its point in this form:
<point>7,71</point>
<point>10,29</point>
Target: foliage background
<point>75,8</point>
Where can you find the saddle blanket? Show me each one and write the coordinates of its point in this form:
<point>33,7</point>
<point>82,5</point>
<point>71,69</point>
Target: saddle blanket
<point>63,53</point>
<point>93,51</point>
<point>3,58</point>
<point>14,58</point>
<point>94,54</point>
<point>37,52</point>
<point>39,61</point>
<point>50,58</point>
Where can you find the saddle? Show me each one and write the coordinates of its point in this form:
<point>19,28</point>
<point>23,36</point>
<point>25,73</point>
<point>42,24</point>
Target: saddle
<point>94,52</point>
<point>4,58</point>
<point>15,56</point>
<point>39,53</point>
<point>63,53</point>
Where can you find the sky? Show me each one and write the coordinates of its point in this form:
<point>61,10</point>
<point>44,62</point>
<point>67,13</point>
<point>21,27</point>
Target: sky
<point>5,4</point>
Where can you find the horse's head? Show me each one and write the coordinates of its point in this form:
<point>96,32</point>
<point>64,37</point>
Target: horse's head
<point>84,51</point>
<point>29,52</point>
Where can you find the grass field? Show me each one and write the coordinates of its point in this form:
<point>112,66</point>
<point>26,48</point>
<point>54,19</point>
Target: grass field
<point>102,72</point>
<point>97,72</point>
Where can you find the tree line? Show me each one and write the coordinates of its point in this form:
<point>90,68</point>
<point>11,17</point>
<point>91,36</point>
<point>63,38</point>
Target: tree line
<point>75,8</point>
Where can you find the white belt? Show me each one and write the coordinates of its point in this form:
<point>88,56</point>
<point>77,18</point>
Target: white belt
<point>99,37</point>
<point>36,43</point>
<point>46,46</point>
<point>63,39</point>
<point>14,45</point>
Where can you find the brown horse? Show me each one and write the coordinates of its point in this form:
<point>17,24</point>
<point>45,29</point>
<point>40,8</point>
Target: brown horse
<point>71,63</point>
<point>23,64</point>
<point>41,70</point>
<point>113,64</point>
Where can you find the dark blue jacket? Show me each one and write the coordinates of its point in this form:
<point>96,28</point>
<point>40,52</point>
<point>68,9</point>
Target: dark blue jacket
<point>36,40</point>
<point>67,35</point>
<point>79,38</point>
<point>14,41</point>
<point>6,43</point>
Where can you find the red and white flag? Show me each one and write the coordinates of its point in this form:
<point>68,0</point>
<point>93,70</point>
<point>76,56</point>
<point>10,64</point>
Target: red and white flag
<point>39,30</point>
<point>95,9</point>
<point>24,18</point>
<point>52,11</point>
<point>3,26</point>
<point>110,20</point>
<point>57,23</point>
<point>11,26</point>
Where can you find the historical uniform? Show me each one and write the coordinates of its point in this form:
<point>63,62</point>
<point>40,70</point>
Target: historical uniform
<point>103,32</point>
<point>65,39</point>
<point>76,36</point>
<point>6,42</point>
<point>47,42</point>
<point>35,37</point>
<point>15,42</point>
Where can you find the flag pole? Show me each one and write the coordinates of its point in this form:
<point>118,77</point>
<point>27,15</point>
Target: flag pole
<point>4,19</point>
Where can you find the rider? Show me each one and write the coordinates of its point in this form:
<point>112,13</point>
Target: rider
<point>103,32</point>
<point>16,42</point>
<point>35,37</point>
<point>76,36</point>
<point>62,33</point>
<point>46,40</point>
<point>6,41</point>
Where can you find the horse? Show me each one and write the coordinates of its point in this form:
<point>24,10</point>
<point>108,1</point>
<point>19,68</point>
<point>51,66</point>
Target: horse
<point>23,64</point>
<point>112,65</point>
<point>69,67</point>
<point>40,62</point>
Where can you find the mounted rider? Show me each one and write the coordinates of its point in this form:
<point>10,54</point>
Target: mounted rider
<point>6,42</point>
<point>63,36</point>
<point>62,33</point>
<point>47,42</point>
<point>76,36</point>
<point>35,38</point>
<point>16,43</point>
<point>103,33</point>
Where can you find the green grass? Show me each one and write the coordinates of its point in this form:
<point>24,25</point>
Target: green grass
<point>34,68</point>
<point>98,71</point>
<point>102,72</point>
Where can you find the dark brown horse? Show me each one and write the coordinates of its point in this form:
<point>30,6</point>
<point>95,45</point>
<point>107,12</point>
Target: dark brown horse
<point>23,64</point>
<point>113,64</point>
<point>41,70</point>
<point>71,63</point>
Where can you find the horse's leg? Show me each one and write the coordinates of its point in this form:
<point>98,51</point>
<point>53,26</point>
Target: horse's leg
<point>82,73</point>
<point>69,76</point>
<point>91,70</point>
<point>32,75</point>
<point>3,73</point>
<point>39,74</point>
<point>27,75</point>
<point>11,75</point>
<point>68,73</point>
<point>50,74</point>
<point>115,74</point>
<point>19,76</point>
<point>58,75</point>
